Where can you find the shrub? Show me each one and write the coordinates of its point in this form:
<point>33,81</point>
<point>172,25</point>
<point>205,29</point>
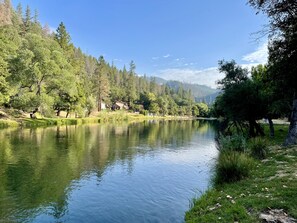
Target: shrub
<point>232,143</point>
<point>232,166</point>
<point>258,148</point>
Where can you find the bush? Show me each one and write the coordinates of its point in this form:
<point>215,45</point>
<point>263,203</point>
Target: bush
<point>258,148</point>
<point>232,143</point>
<point>232,166</point>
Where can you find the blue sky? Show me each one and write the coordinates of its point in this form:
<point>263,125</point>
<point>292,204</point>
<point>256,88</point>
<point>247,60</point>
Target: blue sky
<point>173,39</point>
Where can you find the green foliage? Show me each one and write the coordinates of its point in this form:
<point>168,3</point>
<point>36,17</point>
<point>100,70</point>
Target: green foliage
<point>4,85</point>
<point>241,100</point>
<point>62,36</point>
<point>271,185</point>
<point>234,142</point>
<point>8,123</point>
<point>203,109</point>
<point>258,148</point>
<point>232,166</point>
<point>282,50</point>
<point>43,71</point>
<point>234,74</point>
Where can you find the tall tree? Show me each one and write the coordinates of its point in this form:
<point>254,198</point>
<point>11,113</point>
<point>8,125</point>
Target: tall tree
<point>4,85</point>
<point>35,18</point>
<point>282,66</point>
<point>27,19</point>
<point>240,101</point>
<point>102,88</point>
<point>62,36</point>
<point>19,13</point>
<point>131,85</point>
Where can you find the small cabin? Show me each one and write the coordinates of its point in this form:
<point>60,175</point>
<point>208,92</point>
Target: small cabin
<point>120,106</point>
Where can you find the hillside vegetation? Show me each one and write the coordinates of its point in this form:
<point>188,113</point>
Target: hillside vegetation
<point>42,71</point>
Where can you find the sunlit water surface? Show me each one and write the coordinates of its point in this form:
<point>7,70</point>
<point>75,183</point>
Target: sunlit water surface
<point>144,172</point>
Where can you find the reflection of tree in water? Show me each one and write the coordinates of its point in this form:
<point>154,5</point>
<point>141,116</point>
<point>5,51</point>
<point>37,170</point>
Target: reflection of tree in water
<point>59,208</point>
<point>38,166</point>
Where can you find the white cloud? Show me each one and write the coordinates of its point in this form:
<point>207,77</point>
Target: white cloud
<point>179,59</point>
<point>207,76</point>
<point>259,56</point>
<point>210,76</point>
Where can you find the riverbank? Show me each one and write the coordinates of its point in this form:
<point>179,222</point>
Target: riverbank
<point>269,193</point>
<point>102,117</point>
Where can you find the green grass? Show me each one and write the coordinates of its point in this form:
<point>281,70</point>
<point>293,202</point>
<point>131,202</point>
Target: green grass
<point>232,166</point>
<point>272,184</point>
<point>258,148</point>
<point>103,117</point>
<point>281,131</point>
<point>8,123</point>
<point>232,143</point>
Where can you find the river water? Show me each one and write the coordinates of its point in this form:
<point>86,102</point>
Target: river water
<point>141,172</point>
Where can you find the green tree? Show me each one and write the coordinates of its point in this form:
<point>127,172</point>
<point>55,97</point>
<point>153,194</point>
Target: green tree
<point>62,37</point>
<point>240,101</point>
<point>4,85</point>
<point>27,21</point>
<point>203,109</point>
<point>102,83</point>
<point>282,67</point>
<point>131,85</point>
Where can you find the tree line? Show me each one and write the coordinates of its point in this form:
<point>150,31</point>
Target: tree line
<point>43,71</point>
<point>270,91</point>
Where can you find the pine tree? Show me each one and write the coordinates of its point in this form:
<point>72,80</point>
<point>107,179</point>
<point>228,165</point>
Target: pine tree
<point>28,19</point>
<point>102,83</point>
<point>63,37</point>
<point>131,86</point>
<point>19,12</point>
<point>35,16</point>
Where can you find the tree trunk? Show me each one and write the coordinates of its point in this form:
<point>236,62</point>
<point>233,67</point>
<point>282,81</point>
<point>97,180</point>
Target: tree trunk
<point>292,135</point>
<point>67,113</point>
<point>259,129</point>
<point>255,126</point>
<point>271,127</point>
<point>32,114</point>
<point>251,129</point>
<point>99,104</point>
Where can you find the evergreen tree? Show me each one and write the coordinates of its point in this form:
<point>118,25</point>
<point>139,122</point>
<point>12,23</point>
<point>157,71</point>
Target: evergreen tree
<point>27,19</point>
<point>44,71</point>
<point>35,19</point>
<point>62,36</point>
<point>102,84</point>
<point>131,85</point>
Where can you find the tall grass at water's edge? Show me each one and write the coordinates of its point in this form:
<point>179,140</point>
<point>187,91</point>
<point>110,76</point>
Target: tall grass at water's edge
<point>102,117</point>
<point>270,183</point>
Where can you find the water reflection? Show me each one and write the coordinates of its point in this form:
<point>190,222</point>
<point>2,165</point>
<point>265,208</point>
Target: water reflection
<point>44,170</point>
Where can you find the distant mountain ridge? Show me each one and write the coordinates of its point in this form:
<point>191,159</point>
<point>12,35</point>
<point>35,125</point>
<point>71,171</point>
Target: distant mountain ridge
<point>202,93</point>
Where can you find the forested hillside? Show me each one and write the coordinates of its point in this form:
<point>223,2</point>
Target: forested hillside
<point>43,71</point>
<point>201,93</point>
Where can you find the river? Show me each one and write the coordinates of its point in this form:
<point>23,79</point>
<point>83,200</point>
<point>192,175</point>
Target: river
<point>139,172</point>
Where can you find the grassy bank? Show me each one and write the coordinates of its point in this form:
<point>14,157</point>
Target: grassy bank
<point>272,184</point>
<point>103,117</point>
